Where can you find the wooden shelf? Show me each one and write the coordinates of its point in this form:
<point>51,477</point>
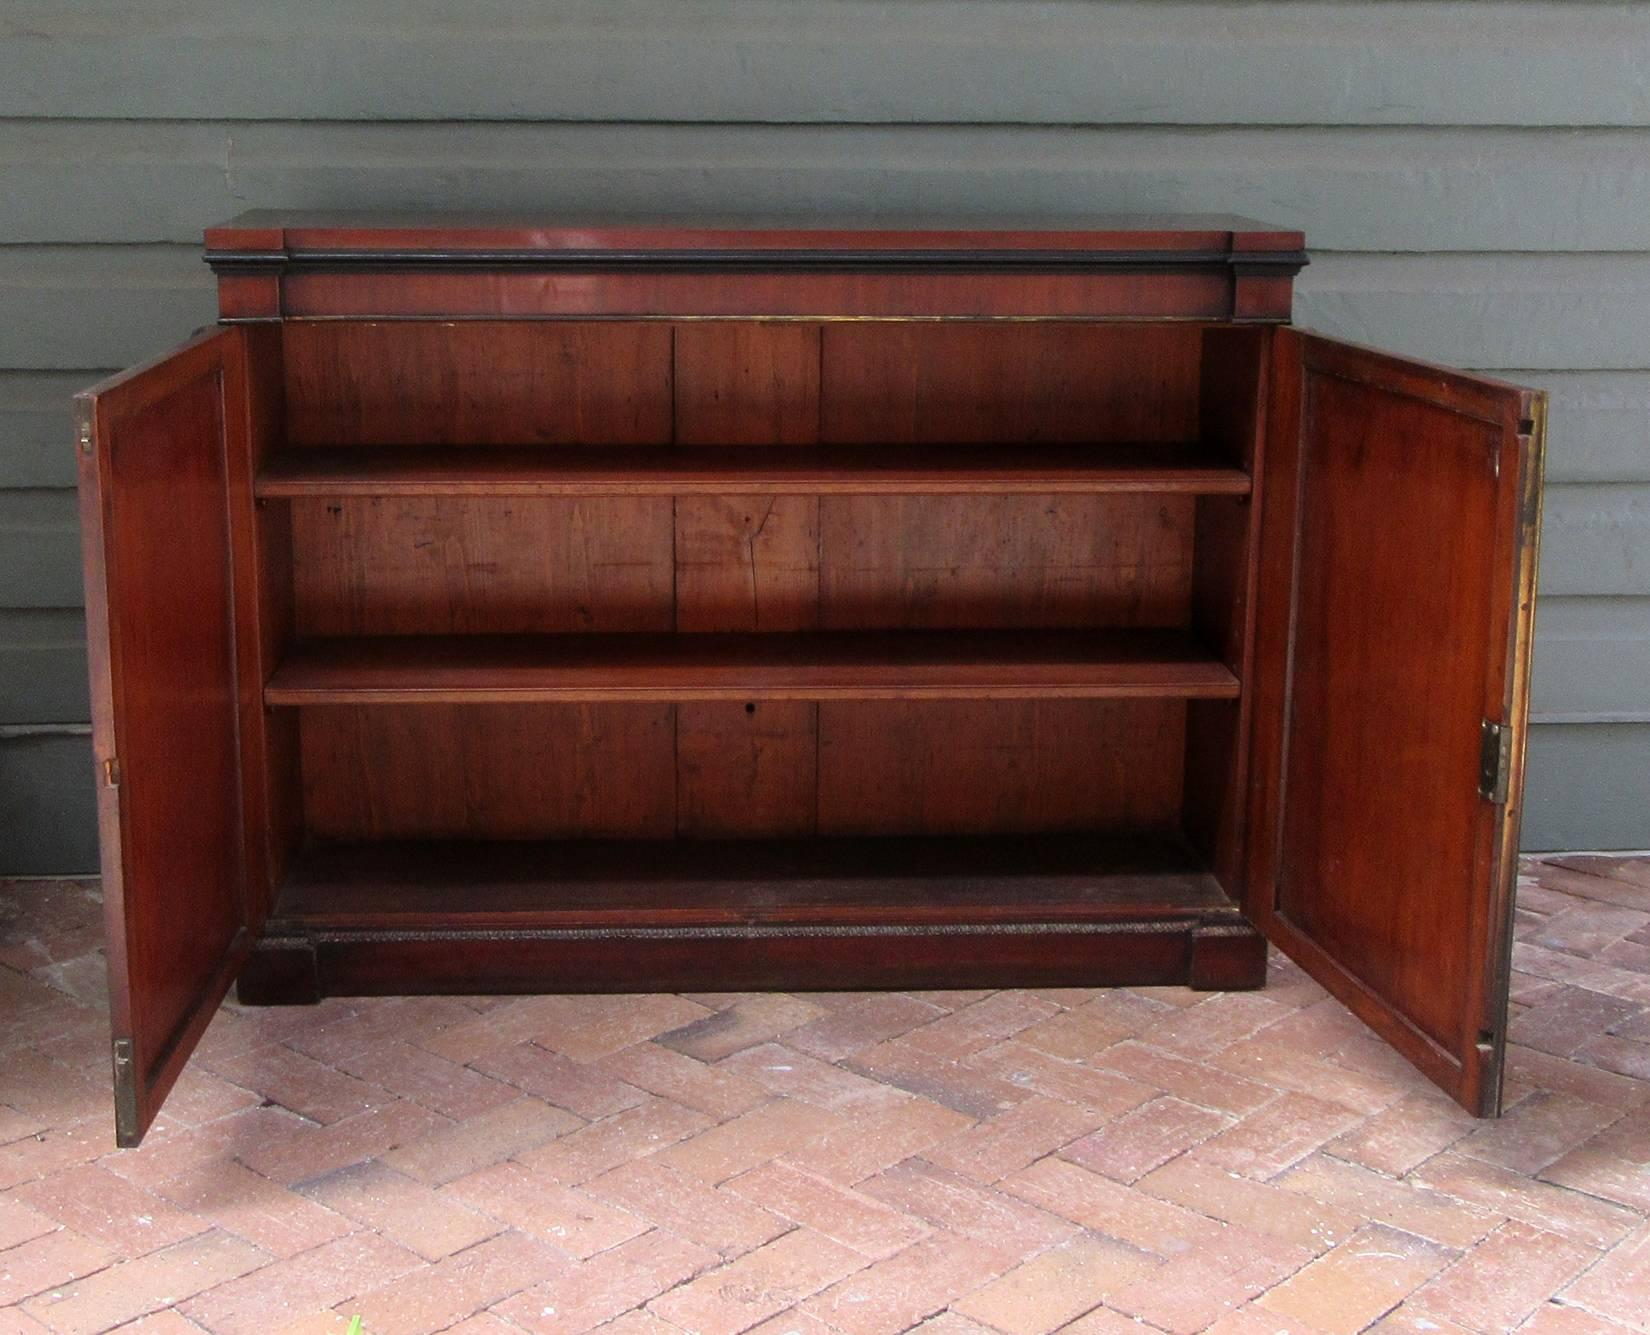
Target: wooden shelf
<point>327,471</point>
<point>687,883</point>
<point>848,665</point>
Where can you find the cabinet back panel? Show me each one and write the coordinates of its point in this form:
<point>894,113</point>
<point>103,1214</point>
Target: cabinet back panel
<point>477,382</point>
<point>732,770</point>
<point>742,562</point>
<point>482,382</point>
<point>744,382</point>
<point>949,767</point>
<point>1004,561</point>
<point>747,563</point>
<point>989,383</point>
<point>488,771</point>
<point>420,565</point>
<point>470,565</point>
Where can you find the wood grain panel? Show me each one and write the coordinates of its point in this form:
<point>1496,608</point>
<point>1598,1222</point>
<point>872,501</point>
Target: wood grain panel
<point>478,383</point>
<point>1380,741</point>
<point>970,766</point>
<point>468,566</point>
<point>747,563</point>
<point>490,771</point>
<point>1005,561</point>
<point>638,294</point>
<point>595,885</point>
<point>747,769</point>
<point>747,383</point>
<point>840,665</point>
<point>1225,574</point>
<point>1002,383</point>
<point>717,470</point>
<point>1392,626</point>
<point>261,539</point>
<point>156,475</point>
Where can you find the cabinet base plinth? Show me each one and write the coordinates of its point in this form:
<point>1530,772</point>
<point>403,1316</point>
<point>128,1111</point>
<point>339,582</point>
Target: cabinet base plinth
<point>1209,956</point>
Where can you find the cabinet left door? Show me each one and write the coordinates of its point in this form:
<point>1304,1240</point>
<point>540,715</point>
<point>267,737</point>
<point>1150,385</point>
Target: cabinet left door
<point>162,455</point>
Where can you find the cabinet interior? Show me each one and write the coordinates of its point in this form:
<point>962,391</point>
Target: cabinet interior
<point>753,619</point>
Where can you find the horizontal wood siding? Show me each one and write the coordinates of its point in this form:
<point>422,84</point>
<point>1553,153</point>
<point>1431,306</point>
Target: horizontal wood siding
<point>43,665</point>
<point>1473,178</point>
<point>862,61</point>
<point>1397,189</point>
<point>46,803</point>
<point>1589,786</point>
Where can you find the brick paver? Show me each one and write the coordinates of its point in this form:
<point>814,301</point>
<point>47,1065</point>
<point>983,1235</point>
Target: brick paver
<point>1117,1162</point>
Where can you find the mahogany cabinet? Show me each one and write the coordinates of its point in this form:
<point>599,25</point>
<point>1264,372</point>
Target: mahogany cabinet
<point>499,605</point>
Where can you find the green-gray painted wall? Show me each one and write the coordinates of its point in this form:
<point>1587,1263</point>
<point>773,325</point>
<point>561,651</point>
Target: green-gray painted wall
<point>1473,178</point>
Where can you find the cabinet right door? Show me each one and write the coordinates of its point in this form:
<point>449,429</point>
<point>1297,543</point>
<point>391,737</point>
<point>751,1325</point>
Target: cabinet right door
<point>1399,534</point>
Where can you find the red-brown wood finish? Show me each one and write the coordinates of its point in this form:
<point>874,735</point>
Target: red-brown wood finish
<point>598,605</point>
<point>276,266</point>
<point>1394,622</point>
<point>162,451</point>
<point>840,665</point>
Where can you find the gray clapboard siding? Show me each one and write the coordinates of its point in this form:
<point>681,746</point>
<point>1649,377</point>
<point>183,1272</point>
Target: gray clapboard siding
<point>1596,540</point>
<point>1592,661</point>
<point>48,817</point>
<point>66,306</point>
<point>43,666</point>
<point>865,61</point>
<point>1598,428</point>
<point>1569,312</point>
<point>1348,188</point>
<point>36,433</point>
<point>1588,787</point>
<point>39,549</point>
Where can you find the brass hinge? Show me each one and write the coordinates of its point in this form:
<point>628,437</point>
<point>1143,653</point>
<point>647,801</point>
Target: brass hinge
<point>111,772</point>
<point>126,1107</point>
<point>83,432</point>
<point>1494,761</point>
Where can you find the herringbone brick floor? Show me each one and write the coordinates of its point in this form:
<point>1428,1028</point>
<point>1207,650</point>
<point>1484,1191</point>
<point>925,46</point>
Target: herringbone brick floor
<point>1087,1161</point>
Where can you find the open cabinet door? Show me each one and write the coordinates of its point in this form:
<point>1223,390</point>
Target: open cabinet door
<point>1399,535</point>
<point>156,452</point>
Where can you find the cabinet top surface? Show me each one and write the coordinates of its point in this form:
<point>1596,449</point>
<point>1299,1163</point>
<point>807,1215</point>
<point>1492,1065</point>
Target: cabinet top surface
<point>268,231</point>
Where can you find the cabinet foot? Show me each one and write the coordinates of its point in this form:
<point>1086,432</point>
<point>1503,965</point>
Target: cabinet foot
<point>1227,958</point>
<point>280,972</point>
